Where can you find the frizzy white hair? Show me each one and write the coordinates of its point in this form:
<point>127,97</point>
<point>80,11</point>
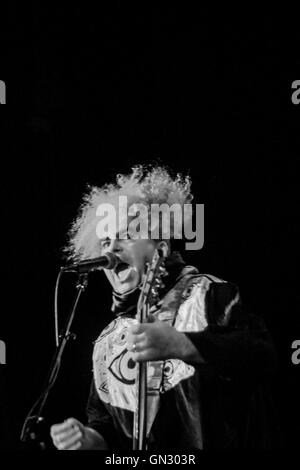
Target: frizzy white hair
<point>145,185</point>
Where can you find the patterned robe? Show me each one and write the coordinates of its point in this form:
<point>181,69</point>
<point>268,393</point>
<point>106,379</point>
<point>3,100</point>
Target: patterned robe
<point>210,405</point>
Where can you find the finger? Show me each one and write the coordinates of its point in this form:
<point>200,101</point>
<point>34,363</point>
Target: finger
<point>131,338</point>
<point>70,425</point>
<point>151,318</point>
<point>153,309</point>
<point>76,446</point>
<point>145,355</point>
<point>132,347</point>
<point>74,422</point>
<point>136,329</point>
<point>154,323</point>
<point>65,435</point>
<point>134,340</point>
<point>65,444</point>
<point>140,346</point>
<point>58,429</point>
<point>140,328</point>
<point>67,425</point>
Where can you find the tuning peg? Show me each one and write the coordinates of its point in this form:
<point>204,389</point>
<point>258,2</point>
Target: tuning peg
<point>161,284</point>
<point>162,271</point>
<point>154,292</point>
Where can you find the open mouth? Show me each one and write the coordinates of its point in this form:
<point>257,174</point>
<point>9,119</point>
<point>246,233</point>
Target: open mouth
<point>122,270</point>
<point>121,266</point>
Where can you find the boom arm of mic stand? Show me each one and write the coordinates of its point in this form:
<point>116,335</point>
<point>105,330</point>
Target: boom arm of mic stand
<point>34,415</point>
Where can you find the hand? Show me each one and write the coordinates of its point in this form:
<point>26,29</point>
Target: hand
<point>73,435</point>
<point>157,340</point>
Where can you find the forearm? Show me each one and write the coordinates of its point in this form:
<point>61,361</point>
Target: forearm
<point>250,352</point>
<point>94,439</point>
<point>98,418</point>
<point>185,350</point>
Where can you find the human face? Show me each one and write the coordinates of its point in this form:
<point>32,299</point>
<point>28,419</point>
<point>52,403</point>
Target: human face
<point>133,256</point>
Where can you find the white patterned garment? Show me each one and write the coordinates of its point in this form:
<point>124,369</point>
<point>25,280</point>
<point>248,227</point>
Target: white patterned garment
<point>114,369</point>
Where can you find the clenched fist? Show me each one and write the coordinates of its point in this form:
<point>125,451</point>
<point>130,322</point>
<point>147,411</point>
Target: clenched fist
<point>73,435</point>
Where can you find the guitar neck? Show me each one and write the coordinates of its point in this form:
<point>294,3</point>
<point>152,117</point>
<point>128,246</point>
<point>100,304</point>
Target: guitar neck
<point>140,416</point>
<point>148,294</point>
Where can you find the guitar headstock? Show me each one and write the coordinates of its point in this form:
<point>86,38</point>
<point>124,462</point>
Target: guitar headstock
<point>153,281</point>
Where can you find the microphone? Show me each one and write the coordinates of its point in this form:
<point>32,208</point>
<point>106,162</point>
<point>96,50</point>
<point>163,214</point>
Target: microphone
<point>107,261</point>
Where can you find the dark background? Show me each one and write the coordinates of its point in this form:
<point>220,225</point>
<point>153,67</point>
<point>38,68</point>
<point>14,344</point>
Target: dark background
<point>91,93</point>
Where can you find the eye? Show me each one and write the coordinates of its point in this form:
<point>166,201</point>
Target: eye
<point>170,368</point>
<point>121,338</point>
<point>124,368</point>
<point>105,243</point>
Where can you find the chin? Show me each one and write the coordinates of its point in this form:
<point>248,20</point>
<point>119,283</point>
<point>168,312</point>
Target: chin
<point>122,289</point>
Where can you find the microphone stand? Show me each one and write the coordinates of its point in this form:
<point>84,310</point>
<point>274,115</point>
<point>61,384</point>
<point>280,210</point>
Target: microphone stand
<point>31,427</point>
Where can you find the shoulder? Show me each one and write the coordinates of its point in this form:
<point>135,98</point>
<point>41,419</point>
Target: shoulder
<point>210,298</point>
<point>200,283</point>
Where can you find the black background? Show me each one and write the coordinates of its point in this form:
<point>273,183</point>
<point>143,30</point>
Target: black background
<point>91,93</point>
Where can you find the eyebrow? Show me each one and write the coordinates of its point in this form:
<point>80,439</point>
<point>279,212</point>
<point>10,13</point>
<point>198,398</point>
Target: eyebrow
<point>117,235</point>
<point>104,239</point>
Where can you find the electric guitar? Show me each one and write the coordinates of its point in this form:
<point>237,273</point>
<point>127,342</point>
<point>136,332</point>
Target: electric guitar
<point>148,297</point>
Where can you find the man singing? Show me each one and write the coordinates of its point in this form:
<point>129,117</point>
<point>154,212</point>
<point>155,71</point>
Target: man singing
<point>209,360</point>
